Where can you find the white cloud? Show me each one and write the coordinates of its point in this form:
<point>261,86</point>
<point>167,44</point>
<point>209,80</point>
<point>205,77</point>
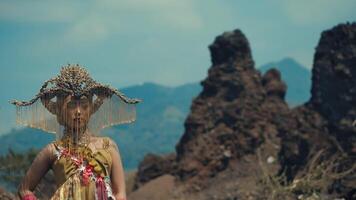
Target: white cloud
<point>87,29</point>
<point>309,12</point>
<point>99,19</point>
<point>36,11</point>
<point>180,14</point>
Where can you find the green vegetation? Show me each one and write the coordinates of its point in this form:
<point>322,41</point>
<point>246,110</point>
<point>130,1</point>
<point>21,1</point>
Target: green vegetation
<point>13,167</point>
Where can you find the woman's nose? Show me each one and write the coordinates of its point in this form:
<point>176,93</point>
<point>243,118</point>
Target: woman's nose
<point>77,111</point>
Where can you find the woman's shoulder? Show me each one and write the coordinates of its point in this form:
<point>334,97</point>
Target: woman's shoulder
<point>50,146</point>
<point>96,138</point>
<point>48,151</point>
<point>104,141</point>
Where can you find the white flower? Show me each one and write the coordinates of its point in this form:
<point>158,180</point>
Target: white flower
<point>57,154</point>
<point>81,168</point>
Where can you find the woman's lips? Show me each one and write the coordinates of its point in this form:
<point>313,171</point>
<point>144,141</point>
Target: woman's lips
<point>77,119</point>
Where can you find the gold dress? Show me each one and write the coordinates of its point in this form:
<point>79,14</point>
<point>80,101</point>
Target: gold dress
<point>72,104</point>
<point>84,175</point>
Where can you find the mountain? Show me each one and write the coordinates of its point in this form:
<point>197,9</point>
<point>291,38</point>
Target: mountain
<point>160,116</point>
<point>297,78</point>
<point>157,129</point>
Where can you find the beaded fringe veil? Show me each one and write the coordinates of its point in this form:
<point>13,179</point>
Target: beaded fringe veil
<point>113,111</point>
<point>37,116</point>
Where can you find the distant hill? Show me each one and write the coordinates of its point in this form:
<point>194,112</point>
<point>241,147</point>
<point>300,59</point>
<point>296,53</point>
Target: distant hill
<point>297,78</point>
<point>160,117</point>
<point>158,127</point>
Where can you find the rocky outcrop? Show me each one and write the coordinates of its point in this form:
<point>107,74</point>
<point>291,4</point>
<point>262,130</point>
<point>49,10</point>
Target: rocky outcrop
<point>163,186</point>
<point>334,83</point>
<point>237,111</point>
<point>325,122</point>
<point>240,126</point>
<point>154,166</point>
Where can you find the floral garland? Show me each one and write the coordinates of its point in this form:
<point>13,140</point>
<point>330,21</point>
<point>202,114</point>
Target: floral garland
<point>88,168</point>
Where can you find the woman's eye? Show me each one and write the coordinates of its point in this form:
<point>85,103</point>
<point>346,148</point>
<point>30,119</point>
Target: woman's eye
<point>71,105</point>
<point>84,104</point>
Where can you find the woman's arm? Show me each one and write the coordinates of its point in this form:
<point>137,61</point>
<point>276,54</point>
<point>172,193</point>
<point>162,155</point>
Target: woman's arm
<point>117,173</point>
<point>37,170</point>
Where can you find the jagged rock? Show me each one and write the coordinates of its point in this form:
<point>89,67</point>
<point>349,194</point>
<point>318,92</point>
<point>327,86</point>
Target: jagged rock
<point>240,125</point>
<point>230,46</point>
<point>334,82</point>
<point>154,166</point>
<point>273,83</point>
<point>237,112</point>
<point>334,87</point>
<point>308,133</point>
<point>325,122</point>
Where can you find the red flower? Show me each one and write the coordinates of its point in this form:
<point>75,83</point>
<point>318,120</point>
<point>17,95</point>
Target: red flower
<point>77,162</point>
<point>85,178</point>
<point>99,178</point>
<point>89,169</point>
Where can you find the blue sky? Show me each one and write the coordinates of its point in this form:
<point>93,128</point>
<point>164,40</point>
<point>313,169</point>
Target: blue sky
<point>127,42</point>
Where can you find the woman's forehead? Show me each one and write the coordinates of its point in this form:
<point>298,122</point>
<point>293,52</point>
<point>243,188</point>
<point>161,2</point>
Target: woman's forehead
<point>77,98</point>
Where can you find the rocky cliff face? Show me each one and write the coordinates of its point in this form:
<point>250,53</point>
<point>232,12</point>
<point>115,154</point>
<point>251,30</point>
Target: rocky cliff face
<point>326,122</point>
<point>334,83</point>
<point>240,125</point>
<point>237,111</point>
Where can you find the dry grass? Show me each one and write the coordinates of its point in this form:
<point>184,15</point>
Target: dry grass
<point>310,184</point>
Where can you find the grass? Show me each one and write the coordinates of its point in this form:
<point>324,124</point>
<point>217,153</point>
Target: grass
<point>311,183</point>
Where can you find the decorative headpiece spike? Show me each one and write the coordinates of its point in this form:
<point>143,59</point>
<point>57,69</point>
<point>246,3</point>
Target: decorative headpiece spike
<point>74,80</point>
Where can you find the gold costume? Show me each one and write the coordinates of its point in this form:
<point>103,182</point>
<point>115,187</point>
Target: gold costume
<point>75,108</point>
<point>69,176</point>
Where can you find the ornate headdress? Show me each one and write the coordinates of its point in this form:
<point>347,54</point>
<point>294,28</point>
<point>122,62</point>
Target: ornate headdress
<point>109,106</point>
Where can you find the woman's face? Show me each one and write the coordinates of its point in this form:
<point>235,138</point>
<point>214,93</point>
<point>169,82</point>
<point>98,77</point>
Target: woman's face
<point>75,112</point>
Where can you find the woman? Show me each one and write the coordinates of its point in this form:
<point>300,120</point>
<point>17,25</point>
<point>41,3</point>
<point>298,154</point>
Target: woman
<point>76,108</point>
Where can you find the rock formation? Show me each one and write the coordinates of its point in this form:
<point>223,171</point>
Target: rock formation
<point>237,111</point>
<point>240,126</point>
<point>326,121</point>
<point>334,83</point>
<point>153,166</point>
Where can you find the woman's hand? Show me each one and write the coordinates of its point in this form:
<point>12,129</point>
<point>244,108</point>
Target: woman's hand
<point>29,197</point>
